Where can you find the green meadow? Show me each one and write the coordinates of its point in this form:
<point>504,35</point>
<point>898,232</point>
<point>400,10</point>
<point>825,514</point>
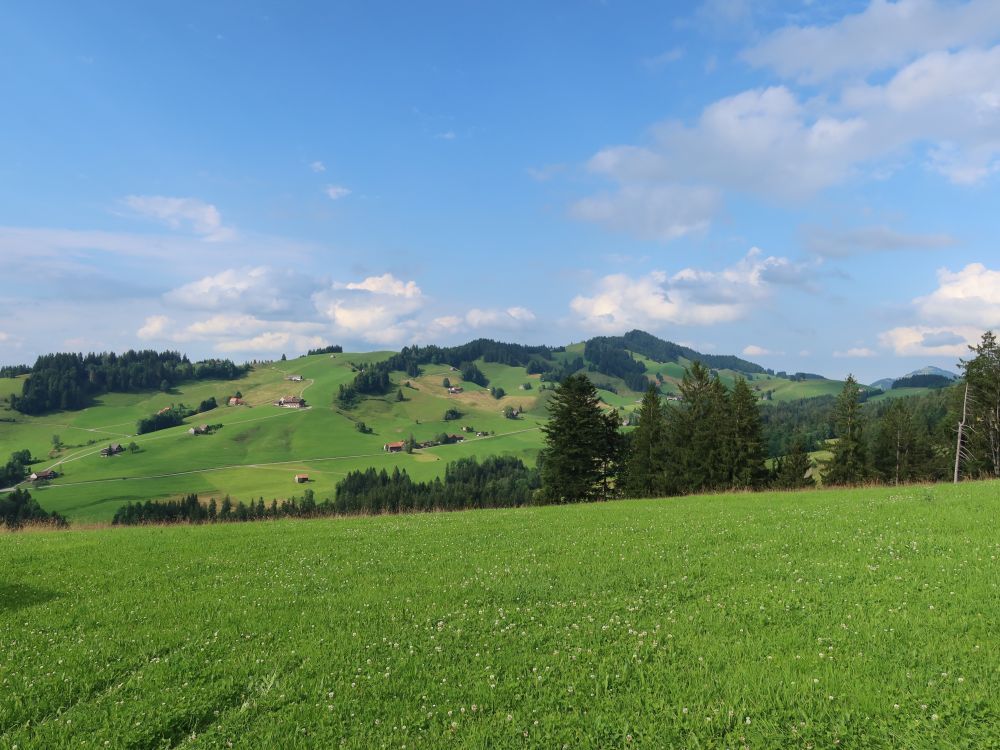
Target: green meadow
<point>261,447</point>
<point>820,619</point>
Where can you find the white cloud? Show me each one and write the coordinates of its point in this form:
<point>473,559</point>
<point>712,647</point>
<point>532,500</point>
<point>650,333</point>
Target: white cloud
<point>260,290</point>
<point>512,317</point>
<point>336,192</point>
<point>155,327</point>
<point>4,336</point>
<point>967,297</point>
<point>318,167</point>
<point>202,218</point>
<point>448,135</point>
<point>953,316</point>
<point>386,284</point>
<point>378,309</point>
<point>841,243</point>
<point>752,350</point>
<point>938,105</point>
<point>930,341</point>
<point>656,62</point>
<point>859,352</point>
<point>663,212</point>
<point>272,341</point>
<point>689,297</point>
<point>883,36</point>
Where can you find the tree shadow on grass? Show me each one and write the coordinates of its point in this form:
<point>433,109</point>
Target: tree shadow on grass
<point>15,596</point>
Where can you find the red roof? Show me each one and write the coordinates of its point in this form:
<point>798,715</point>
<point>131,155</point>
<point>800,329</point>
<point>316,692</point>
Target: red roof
<point>400,444</point>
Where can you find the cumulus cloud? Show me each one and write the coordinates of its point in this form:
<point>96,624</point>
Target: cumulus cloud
<point>336,192</point>
<point>155,327</point>
<point>752,350</point>
<point>318,167</point>
<point>953,316</point>
<point>842,243</point>
<point>199,217</point>
<point>930,341</point>
<point>386,284</point>
<point>261,290</point>
<point>378,309</point>
<point>884,35</point>
<point>970,296</point>
<point>924,87</point>
<point>689,297</point>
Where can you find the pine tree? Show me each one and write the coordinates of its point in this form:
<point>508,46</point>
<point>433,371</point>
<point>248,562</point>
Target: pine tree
<point>849,464</point>
<point>746,442</point>
<point>647,462</point>
<point>575,461</point>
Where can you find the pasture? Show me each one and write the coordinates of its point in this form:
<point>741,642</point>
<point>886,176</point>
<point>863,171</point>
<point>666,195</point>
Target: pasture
<point>820,619</point>
<point>260,447</point>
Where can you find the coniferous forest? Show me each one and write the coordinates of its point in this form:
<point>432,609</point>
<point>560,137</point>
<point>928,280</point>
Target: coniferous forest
<point>69,381</point>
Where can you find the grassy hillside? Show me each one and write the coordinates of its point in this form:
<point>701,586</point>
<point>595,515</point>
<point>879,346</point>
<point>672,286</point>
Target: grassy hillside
<point>261,447</point>
<point>860,618</point>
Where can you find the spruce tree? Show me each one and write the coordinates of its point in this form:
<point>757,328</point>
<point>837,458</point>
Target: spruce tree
<point>849,464</point>
<point>575,461</point>
<point>746,442</point>
<point>647,462</point>
<point>981,444</point>
<point>896,449</point>
<point>699,431</point>
<point>791,470</point>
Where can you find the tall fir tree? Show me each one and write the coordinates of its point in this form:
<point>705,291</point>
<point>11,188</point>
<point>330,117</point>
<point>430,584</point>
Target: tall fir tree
<point>901,448</point>
<point>746,451</point>
<point>699,431</point>
<point>576,460</point>
<point>648,460</point>
<point>981,444</point>
<point>849,464</point>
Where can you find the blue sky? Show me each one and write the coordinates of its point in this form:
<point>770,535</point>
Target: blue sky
<point>813,185</point>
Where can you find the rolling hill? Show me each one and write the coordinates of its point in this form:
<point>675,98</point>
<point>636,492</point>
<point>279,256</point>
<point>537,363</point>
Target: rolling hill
<point>258,448</point>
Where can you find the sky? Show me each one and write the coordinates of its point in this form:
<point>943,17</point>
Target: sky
<point>811,185</point>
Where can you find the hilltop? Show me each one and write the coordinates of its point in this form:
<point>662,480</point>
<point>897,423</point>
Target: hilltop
<point>256,448</point>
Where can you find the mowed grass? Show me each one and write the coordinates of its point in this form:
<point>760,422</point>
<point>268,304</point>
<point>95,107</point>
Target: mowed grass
<point>853,618</point>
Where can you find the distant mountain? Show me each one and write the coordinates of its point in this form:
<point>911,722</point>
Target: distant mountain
<point>886,383</point>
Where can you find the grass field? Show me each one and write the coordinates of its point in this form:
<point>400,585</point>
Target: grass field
<point>261,447</point>
<point>855,618</point>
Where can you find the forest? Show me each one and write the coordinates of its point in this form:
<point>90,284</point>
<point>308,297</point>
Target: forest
<point>69,381</point>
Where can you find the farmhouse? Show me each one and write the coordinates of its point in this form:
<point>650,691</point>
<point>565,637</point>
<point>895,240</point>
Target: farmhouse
<point>44,475</point>
<point>236,401</point>
<point>455,389</point>
<point>112,450</point>
<point>394,447</point>
<point>201,429</point>
<point>291,402</point>
<point>301,478</point>
<point>294,378</point>
<point>164,410</point>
